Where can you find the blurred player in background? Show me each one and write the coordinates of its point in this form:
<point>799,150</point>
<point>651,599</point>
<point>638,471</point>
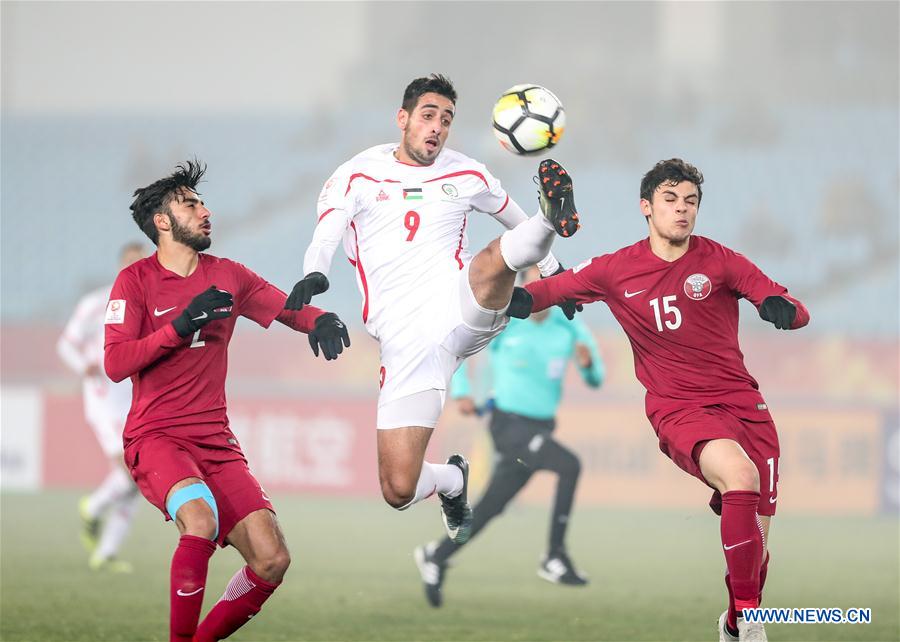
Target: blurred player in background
<point>676,296</point>
<point>401,212</point>
<point>528,364</point>
<point>107,513</point>
<point>168,324</point>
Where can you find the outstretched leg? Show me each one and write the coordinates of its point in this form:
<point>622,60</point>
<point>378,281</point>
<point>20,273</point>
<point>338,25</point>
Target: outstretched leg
<point>493,270</point>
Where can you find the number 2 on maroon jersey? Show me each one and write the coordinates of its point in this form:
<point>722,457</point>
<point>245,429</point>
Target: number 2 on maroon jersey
<point>411,222</point>
<point>195,341</point>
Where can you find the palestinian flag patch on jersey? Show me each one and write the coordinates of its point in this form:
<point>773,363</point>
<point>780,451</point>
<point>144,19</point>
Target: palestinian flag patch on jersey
<point>412,194</point>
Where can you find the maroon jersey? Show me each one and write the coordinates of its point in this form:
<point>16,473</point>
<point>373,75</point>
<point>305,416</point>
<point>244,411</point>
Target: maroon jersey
<point>681,318</point>
<point>180,382</point>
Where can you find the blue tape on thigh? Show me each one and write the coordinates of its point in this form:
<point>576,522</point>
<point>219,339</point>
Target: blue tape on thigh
<point>188,493</point>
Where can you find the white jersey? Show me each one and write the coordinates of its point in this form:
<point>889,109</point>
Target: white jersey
<point>403,227</point>
<point>80,346</point>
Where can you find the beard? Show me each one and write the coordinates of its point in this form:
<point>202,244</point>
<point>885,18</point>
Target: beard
<point>420,157</point>
<point>181,234</point>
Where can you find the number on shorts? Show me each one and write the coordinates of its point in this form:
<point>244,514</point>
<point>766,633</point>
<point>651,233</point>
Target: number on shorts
<point>773,470</point>
<point>411,222</point>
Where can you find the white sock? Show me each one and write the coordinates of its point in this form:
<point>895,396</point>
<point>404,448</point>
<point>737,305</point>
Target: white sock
<point>115,485</point>
<point>527,243</point>
<point>437,478</point>
<point>117,524</point>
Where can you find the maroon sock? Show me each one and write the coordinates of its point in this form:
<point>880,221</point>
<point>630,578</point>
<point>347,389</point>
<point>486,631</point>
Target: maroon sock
<point>732,613</point>
<point>188,580</point>
<point>731,618</point>
<point>762,575</point>
<point>743,543</point>
<point>243,599</point>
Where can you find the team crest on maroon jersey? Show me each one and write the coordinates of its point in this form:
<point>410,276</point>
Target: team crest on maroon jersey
<point>697,287</point>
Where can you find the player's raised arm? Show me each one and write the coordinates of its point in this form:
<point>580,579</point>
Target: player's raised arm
<point>582,284</point>
<point>333,221</point>
<point>771,299</point>
<point>262,302</point>
<point>125,351</point>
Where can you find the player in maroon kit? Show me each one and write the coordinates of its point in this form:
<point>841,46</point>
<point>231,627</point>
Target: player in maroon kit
<point>168,323</point>
<point>676,296</point>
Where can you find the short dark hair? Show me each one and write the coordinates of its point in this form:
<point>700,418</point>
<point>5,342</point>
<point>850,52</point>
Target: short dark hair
<point>671,172</point>
<point>435,83</point>
<point>157,196</point>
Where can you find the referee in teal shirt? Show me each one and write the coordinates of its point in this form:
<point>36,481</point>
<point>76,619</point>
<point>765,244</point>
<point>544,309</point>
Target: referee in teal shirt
<point>528,364</point>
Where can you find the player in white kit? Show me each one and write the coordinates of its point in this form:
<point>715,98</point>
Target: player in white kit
<point>106,514</point>
<point>400,211</point>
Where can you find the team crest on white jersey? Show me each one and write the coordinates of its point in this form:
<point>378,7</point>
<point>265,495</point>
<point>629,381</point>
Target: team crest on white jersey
<point>115,311</point>
<point>697,287</point>
<point>382,196</point>
<point>450,190</point>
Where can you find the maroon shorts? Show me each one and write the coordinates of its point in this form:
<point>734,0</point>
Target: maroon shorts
<point>157,462</point>
<point>683,434</point>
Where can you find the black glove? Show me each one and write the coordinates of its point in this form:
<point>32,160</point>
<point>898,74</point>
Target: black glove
<point>203,309</point>
<point>520,304</point>
<point>329,333</point>
<point>569,308</point>
<point>778,311</point>
<point>312,284</point>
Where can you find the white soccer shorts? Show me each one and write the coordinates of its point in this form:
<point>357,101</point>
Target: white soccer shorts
<point>424,355</point>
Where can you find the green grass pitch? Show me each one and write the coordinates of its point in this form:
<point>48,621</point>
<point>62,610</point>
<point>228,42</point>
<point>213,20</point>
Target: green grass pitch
<point>655,575</point>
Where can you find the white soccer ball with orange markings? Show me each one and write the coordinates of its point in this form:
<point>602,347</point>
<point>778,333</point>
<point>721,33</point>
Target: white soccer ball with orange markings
<point>528,119</point>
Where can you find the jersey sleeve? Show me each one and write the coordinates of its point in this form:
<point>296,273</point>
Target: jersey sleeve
<point>70,346</point>
<point>262,302</point>
<point>126,352</point>
<point>585,283</point>
<point>334,212</point>
<point>748,281</point>
<point>492,199</point>
<point>595,373</point>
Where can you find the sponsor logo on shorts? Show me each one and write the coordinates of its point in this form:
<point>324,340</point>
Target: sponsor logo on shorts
<point>697,287</point>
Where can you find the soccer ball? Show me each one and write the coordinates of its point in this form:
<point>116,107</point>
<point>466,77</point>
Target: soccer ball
<point>528,119</point>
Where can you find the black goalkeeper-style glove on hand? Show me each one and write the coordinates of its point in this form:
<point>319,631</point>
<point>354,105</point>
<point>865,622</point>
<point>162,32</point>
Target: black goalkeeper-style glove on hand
<point>520,304</point>
<point>203,309</point>
<point>330,334</point>
<point>312,284</point>
<point>778,311</point>
<point>569,308</point>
